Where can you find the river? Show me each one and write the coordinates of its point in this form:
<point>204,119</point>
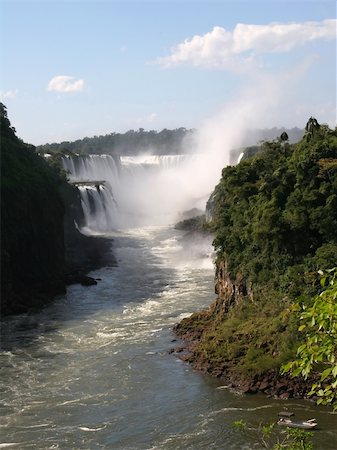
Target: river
<point>93,370</point>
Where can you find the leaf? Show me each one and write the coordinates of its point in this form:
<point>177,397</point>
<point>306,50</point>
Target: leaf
<point>334,371</point>
<point>301,348</point>
<point>326,373</point>
<point>296,372</point>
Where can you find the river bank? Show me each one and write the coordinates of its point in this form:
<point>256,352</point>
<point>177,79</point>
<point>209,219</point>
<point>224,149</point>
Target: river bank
<point>270,383</point>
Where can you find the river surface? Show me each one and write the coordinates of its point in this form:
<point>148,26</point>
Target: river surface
<point>93,369</point>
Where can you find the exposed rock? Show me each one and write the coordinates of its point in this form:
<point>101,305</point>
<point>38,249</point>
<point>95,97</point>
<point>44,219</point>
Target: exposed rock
<point>285,395</point>
<point>271,383</point>
<point>230,292</point>
<point>264,386</point>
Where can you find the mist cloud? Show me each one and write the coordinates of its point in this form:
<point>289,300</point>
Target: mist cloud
<point>242,48</point>
<point>65,83</point>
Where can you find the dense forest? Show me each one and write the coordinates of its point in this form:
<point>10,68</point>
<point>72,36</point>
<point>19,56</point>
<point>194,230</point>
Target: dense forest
<point>41,247</point>
<point>164,142</point>
<point>32,211</point>
<point>274,216</point>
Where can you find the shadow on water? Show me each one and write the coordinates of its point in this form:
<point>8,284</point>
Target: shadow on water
<point>139,275</point>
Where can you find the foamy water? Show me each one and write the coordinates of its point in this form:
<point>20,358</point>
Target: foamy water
<point>93,371</point>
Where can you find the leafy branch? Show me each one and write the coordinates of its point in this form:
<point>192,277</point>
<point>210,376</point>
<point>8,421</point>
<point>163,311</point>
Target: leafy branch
<point>318,353</point>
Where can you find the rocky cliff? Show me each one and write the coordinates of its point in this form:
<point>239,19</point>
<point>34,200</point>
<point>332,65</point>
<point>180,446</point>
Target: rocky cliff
<point>42,248</point>
<point>32,243</point>
<point>275,221</point>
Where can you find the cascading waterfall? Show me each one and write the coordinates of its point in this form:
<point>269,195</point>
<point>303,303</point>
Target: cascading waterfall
<point>98,179</point>
<point>126,191</point>
<point>99,206</point>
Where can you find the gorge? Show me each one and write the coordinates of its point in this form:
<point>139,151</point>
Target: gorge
<point>95,369</point>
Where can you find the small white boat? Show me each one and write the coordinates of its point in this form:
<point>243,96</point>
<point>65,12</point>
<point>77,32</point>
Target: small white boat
<point>306,424</point>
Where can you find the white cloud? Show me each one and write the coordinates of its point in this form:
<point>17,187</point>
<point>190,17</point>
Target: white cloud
<point>4,95</point>
<point>64,83</point>
<point>238,49</point>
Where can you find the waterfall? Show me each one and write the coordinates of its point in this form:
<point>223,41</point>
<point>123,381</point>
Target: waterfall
<point>99,207</point>
<point>126,191</point>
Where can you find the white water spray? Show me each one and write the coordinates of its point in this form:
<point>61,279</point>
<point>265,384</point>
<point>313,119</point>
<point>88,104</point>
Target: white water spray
<point>135,191</point>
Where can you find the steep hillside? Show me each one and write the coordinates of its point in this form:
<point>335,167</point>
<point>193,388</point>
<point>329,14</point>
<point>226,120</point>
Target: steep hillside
<point>32,244</point>
<point>275,221</point>
<point>42,249</point>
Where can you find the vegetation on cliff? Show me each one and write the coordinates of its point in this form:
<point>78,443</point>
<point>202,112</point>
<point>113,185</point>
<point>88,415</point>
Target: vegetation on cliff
<point>318,323</point>
<point>275,221</point>
<point>42,249</point>
<point>32,246</point>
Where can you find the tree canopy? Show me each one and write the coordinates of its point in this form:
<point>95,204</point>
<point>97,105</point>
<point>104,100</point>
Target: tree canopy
<point>278,209</point>
<point>274,216</point>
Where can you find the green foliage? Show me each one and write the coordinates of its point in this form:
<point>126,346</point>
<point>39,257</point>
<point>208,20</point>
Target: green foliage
<point>129,143</point>
<point>32,248</point>
<point>293,439</point>
<point>275,220</point>
<point>278,208</point>
<point>252,338</point>
<point>159,142</point>
<point>239,424</point>
<point>318,323</point>
<point>197,223</point>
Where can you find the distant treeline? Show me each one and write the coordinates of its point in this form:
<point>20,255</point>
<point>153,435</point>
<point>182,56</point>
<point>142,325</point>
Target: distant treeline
<point>132,142</point>
<point>162,142</point>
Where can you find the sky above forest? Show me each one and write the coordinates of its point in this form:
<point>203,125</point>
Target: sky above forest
<point>71,69</point>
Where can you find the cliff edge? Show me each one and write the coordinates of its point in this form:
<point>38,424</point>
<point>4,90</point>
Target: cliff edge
<point>274,217</point>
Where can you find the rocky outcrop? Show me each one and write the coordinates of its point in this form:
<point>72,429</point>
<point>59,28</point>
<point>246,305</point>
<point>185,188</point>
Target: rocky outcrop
<point>270,383</point>
<point>229,292</point>
<point>202,341</point>
<point>210,206</point>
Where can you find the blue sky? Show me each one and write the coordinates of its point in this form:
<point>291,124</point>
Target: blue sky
<point>78,68</point>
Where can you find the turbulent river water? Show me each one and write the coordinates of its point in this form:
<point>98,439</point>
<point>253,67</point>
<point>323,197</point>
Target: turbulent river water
<point>93,369</point>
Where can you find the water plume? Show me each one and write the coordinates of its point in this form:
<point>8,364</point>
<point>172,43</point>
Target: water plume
<point>154,190</point>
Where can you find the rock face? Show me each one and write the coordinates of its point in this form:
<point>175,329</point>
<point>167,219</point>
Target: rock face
<point>274,221</point>
<point>229,292</point>
<point>210,206</point>
<point>198,330</point>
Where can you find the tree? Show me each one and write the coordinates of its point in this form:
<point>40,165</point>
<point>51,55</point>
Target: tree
<point>318,321</point>
<point>284,137</point>
<point>6,128</point>
<point>312,127</point>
